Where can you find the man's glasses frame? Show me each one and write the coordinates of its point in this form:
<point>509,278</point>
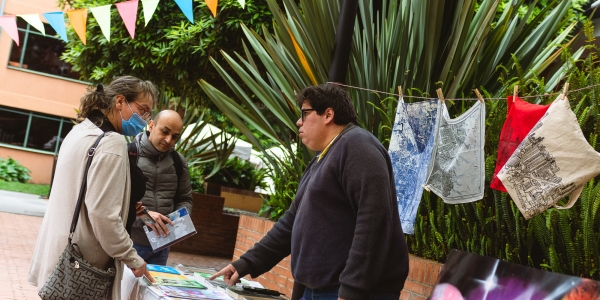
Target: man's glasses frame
<point>304,113</point>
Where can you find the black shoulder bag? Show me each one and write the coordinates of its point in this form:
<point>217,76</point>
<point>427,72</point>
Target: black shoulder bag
<point>74,277</point>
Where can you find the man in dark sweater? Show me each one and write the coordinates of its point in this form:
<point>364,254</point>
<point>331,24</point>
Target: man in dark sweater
<point>342,230</point>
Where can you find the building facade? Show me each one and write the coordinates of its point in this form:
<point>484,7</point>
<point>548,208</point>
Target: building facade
<point>39,93</point>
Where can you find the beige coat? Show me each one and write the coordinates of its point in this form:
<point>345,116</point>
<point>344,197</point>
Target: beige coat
<point>100,232</point>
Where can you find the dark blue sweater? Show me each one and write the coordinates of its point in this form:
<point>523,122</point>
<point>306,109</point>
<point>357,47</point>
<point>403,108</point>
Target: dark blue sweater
<point>343,227</point>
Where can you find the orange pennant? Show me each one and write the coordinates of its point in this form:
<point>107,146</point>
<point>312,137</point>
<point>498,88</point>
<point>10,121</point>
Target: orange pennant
<point>78,19</point>
<point>212,5</point>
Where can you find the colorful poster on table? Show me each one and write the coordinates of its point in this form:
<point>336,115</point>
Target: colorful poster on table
<point>411,145</point>
<point>521,117</point>
<point>468,276</point>
<point>552,162</point>
<point>457,171</point>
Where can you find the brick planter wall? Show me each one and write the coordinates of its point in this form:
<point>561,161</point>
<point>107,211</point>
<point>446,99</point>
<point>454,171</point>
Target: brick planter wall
<point>422,275</point>
<point>216,231</point>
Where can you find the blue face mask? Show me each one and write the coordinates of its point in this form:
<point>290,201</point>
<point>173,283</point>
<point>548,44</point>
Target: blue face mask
<point>134,125</point>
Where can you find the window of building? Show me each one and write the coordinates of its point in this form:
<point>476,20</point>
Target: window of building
<point>40,53</point>
<point>32,130</point>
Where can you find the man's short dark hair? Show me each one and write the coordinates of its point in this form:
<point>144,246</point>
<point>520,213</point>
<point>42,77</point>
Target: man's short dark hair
<point>323,96</point>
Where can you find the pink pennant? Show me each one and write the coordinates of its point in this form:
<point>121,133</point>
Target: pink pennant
<point>128,12</point>
<point>9,24</point>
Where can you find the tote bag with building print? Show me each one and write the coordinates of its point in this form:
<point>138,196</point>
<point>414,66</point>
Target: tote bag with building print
<point>552,162</point>
<point>411,145</point>
<point>521,117</point>
<point>457,170</point>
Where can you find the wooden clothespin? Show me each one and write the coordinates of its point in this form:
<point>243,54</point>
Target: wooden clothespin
<point>515,92</point>
<point>479,96</point>
<point>565,90</point>
<point>440,95</point>
<point>425,187</point>
<point>400,91</point>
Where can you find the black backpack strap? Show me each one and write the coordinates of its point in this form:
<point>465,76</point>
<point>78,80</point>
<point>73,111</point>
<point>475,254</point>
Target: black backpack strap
<point>133,152</point>
<point>178,164</point>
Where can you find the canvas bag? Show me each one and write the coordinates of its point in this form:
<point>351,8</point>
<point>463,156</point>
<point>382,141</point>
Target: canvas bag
<point>457,171</point>
<point>521,117</point>
<point>553,161</point>
<point>411,145</point>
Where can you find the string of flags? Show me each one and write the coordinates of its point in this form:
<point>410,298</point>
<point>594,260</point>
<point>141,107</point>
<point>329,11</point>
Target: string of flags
<point>78,18</point>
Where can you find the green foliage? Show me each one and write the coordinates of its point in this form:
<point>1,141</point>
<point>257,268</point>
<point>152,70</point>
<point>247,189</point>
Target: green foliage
<point>12,171</point>
<point>284,191</point>
<point>236,173</point>
<point>416,44</point>
<point>28,188</point>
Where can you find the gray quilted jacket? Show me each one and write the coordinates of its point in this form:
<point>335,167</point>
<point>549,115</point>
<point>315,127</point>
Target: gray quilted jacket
<point>161,195</point>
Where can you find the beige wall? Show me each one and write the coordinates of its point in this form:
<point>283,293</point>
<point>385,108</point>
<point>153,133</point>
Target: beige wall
<point>39,164</point>
<point>34,92</point>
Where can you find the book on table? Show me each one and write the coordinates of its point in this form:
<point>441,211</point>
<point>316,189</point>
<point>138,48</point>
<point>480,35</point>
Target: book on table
<point>162,269</point>
<point>192,293</point>
<point>182,228</point>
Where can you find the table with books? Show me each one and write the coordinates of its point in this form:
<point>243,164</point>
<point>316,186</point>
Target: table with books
<point>189,283</point>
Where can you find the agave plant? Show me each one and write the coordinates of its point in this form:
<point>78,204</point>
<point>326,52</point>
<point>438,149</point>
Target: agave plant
<point>416,44</point>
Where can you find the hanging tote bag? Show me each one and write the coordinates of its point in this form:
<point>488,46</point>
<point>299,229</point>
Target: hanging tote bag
<point>411,145</point>
<point>553,161</point>
<point>457,170</point>
<point>73,277</point>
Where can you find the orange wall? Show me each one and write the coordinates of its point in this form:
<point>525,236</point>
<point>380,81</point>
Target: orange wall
<point>29,91</point>
<point>34,92</point>
<point>39,164</point>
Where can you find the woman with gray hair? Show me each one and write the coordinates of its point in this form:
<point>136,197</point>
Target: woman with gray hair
<point>121,108</point>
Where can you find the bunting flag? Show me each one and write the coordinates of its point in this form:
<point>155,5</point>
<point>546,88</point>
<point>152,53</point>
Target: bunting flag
<point>554,160</point>
<point>521,117</point>
<point>9,24</point>
<point>78,19</point>
<point>186,8</point>
<point>457,171</point>
<point>35,21</point>
<point>242,3</point>
<point>102,15</point>
<point>149,7</point>
<point>57,21</point>
<point>212,5</point>
<point>128,12</point>
<point>411,146</point>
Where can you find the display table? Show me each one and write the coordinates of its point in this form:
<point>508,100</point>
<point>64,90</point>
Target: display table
<point>134,288</point>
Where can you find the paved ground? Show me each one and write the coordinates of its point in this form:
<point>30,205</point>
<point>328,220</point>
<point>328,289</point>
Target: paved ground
<point>18,235</point>
<point>20,203</point>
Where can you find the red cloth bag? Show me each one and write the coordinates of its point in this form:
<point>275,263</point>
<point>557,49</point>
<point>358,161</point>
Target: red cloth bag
<point>521,118</point>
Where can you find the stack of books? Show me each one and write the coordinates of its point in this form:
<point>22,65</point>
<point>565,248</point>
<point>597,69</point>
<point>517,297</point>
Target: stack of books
<point>171,284</point>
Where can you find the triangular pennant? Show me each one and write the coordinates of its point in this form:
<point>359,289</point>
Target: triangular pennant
<point>57,21</point>
<point>212,5</point>
<point>102,15</point>
<point>9,24</point>
<point>242,3</point>
<point>78,19</point>
<point>35,21</point>
<point>149,8</point>
<point>186,8</point>
<point>128,12</point>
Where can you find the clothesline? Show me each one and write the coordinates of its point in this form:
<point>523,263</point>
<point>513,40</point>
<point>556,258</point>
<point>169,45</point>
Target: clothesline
<point>457,99</point>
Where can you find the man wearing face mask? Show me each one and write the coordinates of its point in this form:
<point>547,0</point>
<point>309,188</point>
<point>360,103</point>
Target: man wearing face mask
<point>168,187</point>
